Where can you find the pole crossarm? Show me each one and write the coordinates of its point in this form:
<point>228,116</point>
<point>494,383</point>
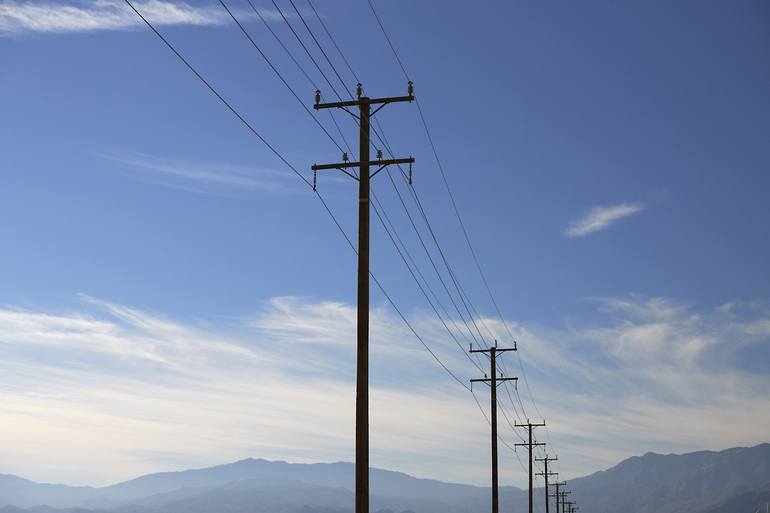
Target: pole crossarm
<point>492,382</point>
<point>347,165</point>
<point>363,99</point>
<point>497,349</point>
<point>529,424</point>
<point>525,444</point>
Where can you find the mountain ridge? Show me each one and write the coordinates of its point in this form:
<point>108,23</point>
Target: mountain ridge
<point>696,482</point>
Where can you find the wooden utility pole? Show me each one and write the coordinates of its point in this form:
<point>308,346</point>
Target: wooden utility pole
<point>493,382</point>
<point>365,113</point>
<point>530,444</point>
<point>546,475</point>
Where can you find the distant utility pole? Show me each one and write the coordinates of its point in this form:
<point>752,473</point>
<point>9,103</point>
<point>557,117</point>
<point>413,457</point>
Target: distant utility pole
<point>557,495</point>
<point>492,382</point>
<point>530,445</point>
<point>563,494</point>
<point>570,506</point>
<point>546,475</point>
<point>364,104</point>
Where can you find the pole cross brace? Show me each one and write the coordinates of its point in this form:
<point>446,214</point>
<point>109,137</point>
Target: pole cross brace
<point>343,166</point>
<point>487,381</point>
<point>497,349</point>
<point>363,99</point>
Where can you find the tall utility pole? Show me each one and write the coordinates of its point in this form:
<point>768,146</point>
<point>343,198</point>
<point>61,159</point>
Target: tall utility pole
<point>365,113</point>
<point>546,475</point>
<point>564,494</point>
<point>530,444</point>
<point>492,382</point>
<point>557,495</point>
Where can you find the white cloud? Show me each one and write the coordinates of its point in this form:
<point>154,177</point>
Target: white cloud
<point>206,177</point>
<point>112,391</point>
<point>599,218</point>
<point>93,15</point>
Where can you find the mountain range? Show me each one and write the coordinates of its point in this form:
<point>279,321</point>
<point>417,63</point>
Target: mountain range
<point>730,481</point>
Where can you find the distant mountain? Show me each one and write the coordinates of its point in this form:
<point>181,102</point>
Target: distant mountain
<point>16,491</point>
<point>656,483</point>
<point>730,481</point>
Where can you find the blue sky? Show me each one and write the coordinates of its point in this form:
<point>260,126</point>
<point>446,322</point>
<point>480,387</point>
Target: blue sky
<point>609,161</point>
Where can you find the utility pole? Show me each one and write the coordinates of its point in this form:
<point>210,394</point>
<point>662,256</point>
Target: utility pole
<point>563,495</point>
<point>365,113</point>
<point>530,445</point>
<point>493,382</point>
<point>557,495</point>
<point>546,475</point>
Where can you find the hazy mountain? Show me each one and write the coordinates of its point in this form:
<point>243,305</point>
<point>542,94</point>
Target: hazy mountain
<point>675,483</point>
<point>730,481</point>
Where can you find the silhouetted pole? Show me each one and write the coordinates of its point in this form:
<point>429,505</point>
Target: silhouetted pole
<point>546,475</point>
<point>557,495</point>
<point>364,104</point>
<point>530,444</point>
<point>492,382</point>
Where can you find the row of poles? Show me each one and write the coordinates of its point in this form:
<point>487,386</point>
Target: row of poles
<point>493,380</point>
<point>364,105</point>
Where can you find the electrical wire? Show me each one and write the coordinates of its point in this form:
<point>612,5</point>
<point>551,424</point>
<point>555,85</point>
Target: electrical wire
<point>305,180</point>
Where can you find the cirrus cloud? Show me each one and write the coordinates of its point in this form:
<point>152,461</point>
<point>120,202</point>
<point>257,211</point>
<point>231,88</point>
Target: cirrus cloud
<point>96,15</point>
<point>599,218</point>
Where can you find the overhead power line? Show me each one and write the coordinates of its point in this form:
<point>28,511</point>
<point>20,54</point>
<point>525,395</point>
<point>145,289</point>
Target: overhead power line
<point>456,208</point>
<point>283,159</point>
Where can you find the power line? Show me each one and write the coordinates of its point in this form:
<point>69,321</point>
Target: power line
<point>395,188</point>
<point>302,18</point>
<point>257,48</point>
<point>456,209</point>
<point>302,44</point>
<point>305,180</point>
<point>278,73</point>
<point>280,42</point>
<point>334,42</point>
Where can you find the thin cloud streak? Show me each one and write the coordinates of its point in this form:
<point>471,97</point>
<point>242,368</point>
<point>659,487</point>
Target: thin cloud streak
<point>204,177</point>
<point>599,218</point>
<point>97,15</point>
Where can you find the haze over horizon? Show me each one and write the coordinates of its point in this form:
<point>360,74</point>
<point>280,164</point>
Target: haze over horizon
<point>173,297</point>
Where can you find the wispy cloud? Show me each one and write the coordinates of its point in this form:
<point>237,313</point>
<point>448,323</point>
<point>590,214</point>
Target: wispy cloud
<point>206,177</point>
<point>94,15</point>
<point>107,386</point>
<point>599,218</point>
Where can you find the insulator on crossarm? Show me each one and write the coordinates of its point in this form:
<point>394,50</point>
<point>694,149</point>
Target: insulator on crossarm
<point>344,156</point>
<point>410,88</point>
<point>317,96</point>
<point>359,89</point>
<point>379,154</point>
<point>315,179</point>
<point>410,173</point>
